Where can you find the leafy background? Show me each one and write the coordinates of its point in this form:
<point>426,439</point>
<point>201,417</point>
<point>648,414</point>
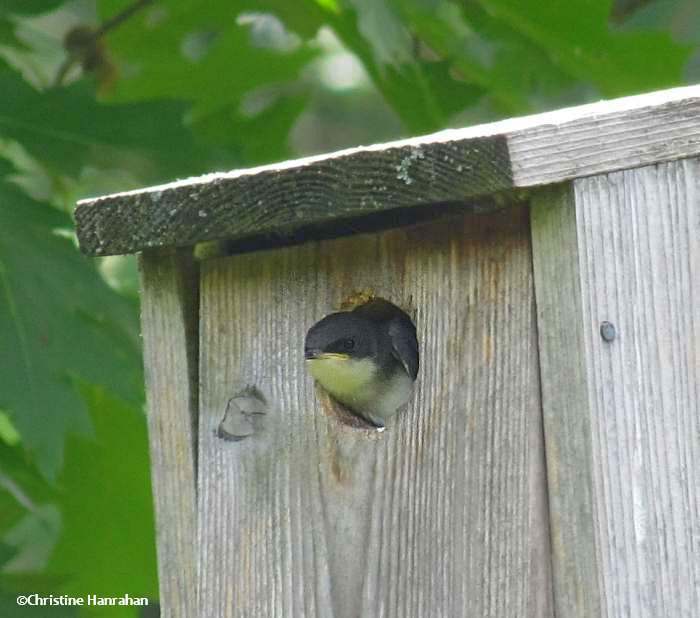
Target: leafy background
<point>104,95</point>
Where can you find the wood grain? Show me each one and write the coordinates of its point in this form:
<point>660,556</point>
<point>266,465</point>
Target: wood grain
<point>565,403</point>
<point>450,166</point>
<point>444,513</point>
<point>169,303</point>
<point>283,199</point>
<point>635,258</point>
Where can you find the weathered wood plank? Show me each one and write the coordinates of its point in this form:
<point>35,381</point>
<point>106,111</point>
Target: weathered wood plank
<point>444,513</point>
<point>450,166</point>
<point>635,258</point>
<point>565,404</point>
<point>169,308</point>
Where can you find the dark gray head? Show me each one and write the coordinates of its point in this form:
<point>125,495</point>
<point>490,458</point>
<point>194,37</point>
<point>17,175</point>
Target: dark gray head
<point>344,333</point>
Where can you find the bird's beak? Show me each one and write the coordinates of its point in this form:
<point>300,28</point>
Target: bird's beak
<point>312,353</point>
<point>316,354</point>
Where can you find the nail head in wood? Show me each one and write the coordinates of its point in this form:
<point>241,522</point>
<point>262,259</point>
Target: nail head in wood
<point>607,331</point>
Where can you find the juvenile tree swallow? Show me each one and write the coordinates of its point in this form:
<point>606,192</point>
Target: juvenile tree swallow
<point>366,358</point>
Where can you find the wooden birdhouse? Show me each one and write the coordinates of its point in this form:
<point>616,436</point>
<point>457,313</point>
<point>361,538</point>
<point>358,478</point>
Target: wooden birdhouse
<point>548,461</point>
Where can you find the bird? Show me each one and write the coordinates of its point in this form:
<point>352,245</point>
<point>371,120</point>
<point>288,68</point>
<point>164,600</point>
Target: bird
<point>366,358</point>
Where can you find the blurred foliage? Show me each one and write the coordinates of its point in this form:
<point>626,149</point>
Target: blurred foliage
<point>58,318</point>
<point>112,530</point>
<point>107,95</point>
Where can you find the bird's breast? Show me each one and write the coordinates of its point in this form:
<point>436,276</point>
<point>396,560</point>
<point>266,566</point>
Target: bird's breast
<point>345,379</point>
<point>360,385</point>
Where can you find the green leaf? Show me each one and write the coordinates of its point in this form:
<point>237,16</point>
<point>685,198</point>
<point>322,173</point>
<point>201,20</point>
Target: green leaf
<point>578,39</point>
<point>404,84</point>
<point>198,52</point>
<point>304,17</point>
<point>679,17</point>
<point>58,322</point>
<point>257,138</point>
<point>470,56</point>
<point>106,542</point>
<point>8,433</point>
<point>11,9</point>
<point>23,487</point>
<point>66,128</point>
<point>28,7</point>
<point>29,520</point>
<point>7,552</point>
<point>385,32</point>
<point>232,66</point>
<point>107,546</point>
<point>33,539</point>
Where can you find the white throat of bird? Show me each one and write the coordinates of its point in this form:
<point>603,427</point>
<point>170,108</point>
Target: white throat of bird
<point>358,384</point>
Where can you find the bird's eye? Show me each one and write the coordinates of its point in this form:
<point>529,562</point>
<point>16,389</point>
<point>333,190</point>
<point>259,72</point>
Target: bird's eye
<point>348,344</point>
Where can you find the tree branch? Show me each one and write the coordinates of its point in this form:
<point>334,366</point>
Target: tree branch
<point>83,43</point>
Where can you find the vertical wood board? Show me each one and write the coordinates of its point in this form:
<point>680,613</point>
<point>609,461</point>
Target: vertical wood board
<point>443,514</point>
<point>640,269</point>
<point>169,298</point>
<point>637,261</point>
<point>565,403</point>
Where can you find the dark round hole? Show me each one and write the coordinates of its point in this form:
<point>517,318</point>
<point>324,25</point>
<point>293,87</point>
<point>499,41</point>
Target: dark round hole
<point>329,340</point>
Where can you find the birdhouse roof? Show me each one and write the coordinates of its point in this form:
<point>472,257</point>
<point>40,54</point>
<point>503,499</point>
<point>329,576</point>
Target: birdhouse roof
<point>375,186</point>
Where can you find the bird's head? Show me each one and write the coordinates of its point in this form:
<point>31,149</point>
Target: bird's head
<point>365,359</point>
<point>341,337</point>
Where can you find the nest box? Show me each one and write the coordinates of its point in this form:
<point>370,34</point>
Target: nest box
<point>548,462</point>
